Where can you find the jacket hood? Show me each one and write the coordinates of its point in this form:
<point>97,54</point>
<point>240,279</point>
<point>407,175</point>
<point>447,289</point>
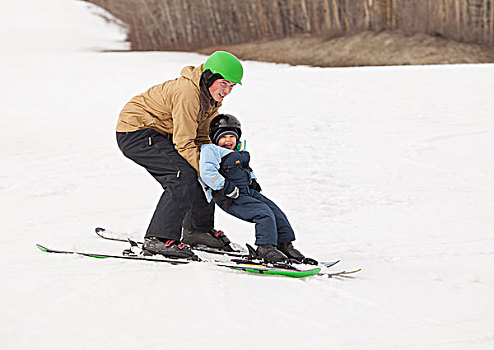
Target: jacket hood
<point>193,74</point>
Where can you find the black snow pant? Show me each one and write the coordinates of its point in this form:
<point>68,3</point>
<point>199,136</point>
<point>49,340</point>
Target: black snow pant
<point>183,203</point>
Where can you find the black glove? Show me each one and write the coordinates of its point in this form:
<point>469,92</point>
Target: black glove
<point>255,186</point>
<point>222,200</point>
<point>230,190</point>
<point>226,195</point>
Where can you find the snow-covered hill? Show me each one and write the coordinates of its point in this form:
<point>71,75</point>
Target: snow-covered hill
<point>387,168</point>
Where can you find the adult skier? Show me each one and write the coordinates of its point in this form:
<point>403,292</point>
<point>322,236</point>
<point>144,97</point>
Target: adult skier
<point>162,130</point>
<point>227,177</point>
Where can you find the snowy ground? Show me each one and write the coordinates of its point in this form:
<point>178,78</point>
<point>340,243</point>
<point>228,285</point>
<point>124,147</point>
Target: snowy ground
<point>388,169</point>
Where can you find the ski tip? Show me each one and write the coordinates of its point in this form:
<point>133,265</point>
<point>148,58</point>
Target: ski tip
<point>329,263</point>
<point>99,229</point>
<point>40,247</point>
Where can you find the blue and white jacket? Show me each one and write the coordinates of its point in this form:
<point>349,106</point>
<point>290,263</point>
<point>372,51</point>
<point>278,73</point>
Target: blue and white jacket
<point>218,164</point>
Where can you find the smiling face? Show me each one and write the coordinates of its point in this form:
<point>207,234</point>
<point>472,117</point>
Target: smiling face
<point>228,141</point>
<point>221,88</point>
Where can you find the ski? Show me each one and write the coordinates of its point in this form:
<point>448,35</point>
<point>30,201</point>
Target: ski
<point>114,236</point>
<point>114,256</point>
<point>240,265</point>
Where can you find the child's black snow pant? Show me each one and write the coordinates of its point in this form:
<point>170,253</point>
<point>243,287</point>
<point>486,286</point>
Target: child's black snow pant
<point>183,202</point>
<point>272,226</point>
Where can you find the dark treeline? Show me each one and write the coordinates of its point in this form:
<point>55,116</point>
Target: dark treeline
<point>194,24</point>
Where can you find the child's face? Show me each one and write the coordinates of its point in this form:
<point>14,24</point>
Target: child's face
<point>228,141</point>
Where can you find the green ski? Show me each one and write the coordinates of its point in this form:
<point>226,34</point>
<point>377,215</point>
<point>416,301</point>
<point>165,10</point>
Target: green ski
<point>247,266</point>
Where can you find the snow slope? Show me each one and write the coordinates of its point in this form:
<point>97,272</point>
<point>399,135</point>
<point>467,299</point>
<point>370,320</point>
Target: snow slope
<point>387,168</point>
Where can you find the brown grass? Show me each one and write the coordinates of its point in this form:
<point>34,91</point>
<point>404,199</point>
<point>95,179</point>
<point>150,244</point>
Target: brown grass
<point>363,49</point>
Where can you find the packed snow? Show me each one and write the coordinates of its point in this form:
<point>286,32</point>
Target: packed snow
<point>390,169</point>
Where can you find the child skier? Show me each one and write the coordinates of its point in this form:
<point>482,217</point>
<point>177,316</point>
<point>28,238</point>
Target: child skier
<point>227,177</point>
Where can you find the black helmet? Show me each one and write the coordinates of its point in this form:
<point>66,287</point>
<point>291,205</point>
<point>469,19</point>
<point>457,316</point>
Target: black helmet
<point>222,123</point>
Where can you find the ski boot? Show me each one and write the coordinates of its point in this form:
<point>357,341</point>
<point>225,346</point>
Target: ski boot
<point>212,238</point>
<point>293,254</point>
<point>169,248</point>
<point>270,253</point>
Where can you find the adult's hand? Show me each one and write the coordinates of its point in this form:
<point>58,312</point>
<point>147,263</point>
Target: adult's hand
<point>222,199</point>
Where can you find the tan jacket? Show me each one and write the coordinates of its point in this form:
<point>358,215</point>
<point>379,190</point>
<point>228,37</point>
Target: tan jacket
<point>180,107</point>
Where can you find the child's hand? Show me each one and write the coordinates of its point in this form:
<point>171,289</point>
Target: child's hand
<point>255,185</point>
<point>230,190</point>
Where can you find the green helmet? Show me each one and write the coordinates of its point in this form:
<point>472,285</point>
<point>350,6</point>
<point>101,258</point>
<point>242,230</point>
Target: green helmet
<point>226,64</point>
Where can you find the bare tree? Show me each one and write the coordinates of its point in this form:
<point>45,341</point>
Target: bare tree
<point>194,24</point>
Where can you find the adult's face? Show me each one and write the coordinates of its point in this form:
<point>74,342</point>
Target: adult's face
<point>221,88</point>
